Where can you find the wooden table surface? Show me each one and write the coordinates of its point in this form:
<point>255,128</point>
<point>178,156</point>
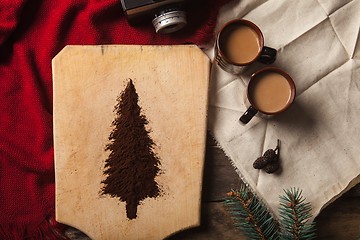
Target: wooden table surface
<point>339,221</point>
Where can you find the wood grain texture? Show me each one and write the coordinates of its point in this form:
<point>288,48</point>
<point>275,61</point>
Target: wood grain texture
<point>172,84</point>
<point>339,221</point>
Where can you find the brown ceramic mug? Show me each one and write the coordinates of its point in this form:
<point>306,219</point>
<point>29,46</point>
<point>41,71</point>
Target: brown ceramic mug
<point>270,91</point>
<point>240,43</point>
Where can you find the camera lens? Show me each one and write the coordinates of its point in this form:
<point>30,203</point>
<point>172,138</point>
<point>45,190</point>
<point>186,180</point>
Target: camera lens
<point>169,20</point>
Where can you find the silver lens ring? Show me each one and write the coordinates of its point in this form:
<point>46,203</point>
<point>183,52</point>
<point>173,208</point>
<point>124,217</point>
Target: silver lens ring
<point>168,22</point>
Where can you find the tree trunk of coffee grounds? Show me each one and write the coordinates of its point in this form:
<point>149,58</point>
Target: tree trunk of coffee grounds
<point>132,165</point>
<point>131,208</point>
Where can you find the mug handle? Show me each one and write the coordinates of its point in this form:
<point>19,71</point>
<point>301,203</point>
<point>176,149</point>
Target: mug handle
<point>248,115</point>
<point>267,55</point>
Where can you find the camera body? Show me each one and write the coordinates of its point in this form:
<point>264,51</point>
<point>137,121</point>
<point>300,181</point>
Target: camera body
<point>167,15</point>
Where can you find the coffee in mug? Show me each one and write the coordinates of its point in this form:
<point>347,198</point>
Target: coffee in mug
<point>248,49</point>
<point>270,91</point>
<point>240,43</point>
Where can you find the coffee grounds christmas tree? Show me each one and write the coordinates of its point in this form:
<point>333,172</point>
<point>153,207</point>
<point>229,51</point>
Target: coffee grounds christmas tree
<point>132,165</point>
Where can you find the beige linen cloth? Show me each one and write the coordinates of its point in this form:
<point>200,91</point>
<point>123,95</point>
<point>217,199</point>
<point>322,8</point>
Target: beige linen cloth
<point>319,46</point>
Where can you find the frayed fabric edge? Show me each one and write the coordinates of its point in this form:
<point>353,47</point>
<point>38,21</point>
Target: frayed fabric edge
<point>241,176</point>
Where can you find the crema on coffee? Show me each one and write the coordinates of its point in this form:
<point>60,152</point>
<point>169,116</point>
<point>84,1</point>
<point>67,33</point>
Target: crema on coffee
<point>269,92</point>
<point>243,44</point>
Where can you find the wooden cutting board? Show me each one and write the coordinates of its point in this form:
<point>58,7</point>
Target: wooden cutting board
<point>172,84</point>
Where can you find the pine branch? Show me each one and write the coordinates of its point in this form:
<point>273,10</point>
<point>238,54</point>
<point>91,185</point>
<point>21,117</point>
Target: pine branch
<point>295,214</point>
<point>251,216</point>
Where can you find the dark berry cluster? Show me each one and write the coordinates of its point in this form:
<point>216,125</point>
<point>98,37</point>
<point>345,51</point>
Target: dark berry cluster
<point>269,161</point>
